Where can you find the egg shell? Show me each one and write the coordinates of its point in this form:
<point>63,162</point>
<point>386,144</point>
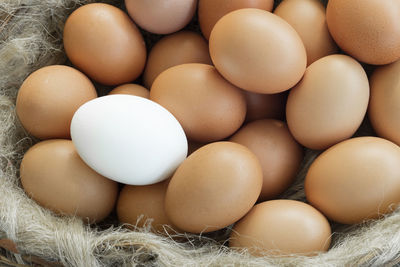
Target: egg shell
<point>210,11</point>
<point>368,30</point>
<point>355,180</point>
<point>308,18</point>
<point>175,49</point>
<point>279,154</point>
<point>208,107</point>
<point>257,51</point>
<point>213,188</point>
<point>384,105</point>
<point>128,139</point>
<point>53,174</point>
<point>131,89</point>
<point>329,103</point>
<point>49,97</point>
<point>161,16</point>
<point>282,227</point>
<point>140,205</point>
<point>103,42</point>
<point>265,106</point>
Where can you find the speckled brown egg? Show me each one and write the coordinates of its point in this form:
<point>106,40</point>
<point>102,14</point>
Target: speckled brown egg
<point>144,205</point>
<point>210,11</point>
<point>307,17</point>
<point>368,30</point>
<point>265,106</point>
<point>384,105</point>
<point>257,51</point>
<point>131,89</point>
<point>103,42</point>
<point>213,188</point>
<point>279,154</point>
<point>282,227</point>
<point>48,99</point>
<point>355,180</point>
<point>207,106</point>
<point>161,16</point>
<point>53,174</point>
<point>329,103</point>
<point>175,49</point>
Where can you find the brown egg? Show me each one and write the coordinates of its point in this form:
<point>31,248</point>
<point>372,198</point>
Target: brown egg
<point>139,205</point>
<point>368,30</point>
<point>329,103</point>
<point>384,105</point>
<point>307,17</point>
<point>210,11</point>
<point>213,188</point>
<point>279,154</point>
<point>282,227</point>
<point>131,89</point>
<point>175,49</point>
<point>207,106</point>
<point>265,106</point>
<point>53,174</point>
<point>48,99</point>
<point>257,51</point>
<point>103,42</point>
<point>355,180</point>
<point>161,16</point>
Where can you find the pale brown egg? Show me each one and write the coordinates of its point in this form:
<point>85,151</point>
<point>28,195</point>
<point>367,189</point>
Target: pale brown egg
<point>48,99</point>
<point>131,89</point>
<point>307,17</point>
<point>368,30</point>
<point>53,174</point>
<point>257,51</point>
<point>207,106</point>
<point>103,42</point>
<point>279,154</point>
<point>384,105</point>
<point>355,180</point>
<point>265,106</point>
<point>282,227</point>
<point>213,188</point>
<point>329,103</point>
<point>161,16</point>
<point>210,11</point>
<point>142,205</point>
<point>175,49</point>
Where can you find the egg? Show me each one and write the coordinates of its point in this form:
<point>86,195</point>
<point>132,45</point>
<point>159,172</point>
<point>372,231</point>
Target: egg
<point>213,188</point>
<point>175,49</point>
<point>281,228</point>
<point>384,105</point>
<point>279,154</point>
<point>131,89</point>
<point>53,174</point>
<point>329,103</point>
<point>368,30</point>
<point>257,51</point>
<point>103,42</point>
<point>161,16</point>
<point>142,205</point>
<point>355,180</point>
<point>308,18</point>
<point>208,107</point>
<point>128,139</point>
<point>265,106</point>
<point>49,97</point>
<point>210,11</point>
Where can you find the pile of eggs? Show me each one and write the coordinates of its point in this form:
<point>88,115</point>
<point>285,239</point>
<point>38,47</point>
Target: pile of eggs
<point>227,98</point>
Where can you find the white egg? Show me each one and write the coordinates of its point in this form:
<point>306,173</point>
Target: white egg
<point>128,139</point>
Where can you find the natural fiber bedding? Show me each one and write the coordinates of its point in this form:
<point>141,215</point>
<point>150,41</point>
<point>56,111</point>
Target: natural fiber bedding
<point>30,37</point>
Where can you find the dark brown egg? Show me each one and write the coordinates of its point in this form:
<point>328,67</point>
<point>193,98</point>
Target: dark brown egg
<point>131,89</point>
